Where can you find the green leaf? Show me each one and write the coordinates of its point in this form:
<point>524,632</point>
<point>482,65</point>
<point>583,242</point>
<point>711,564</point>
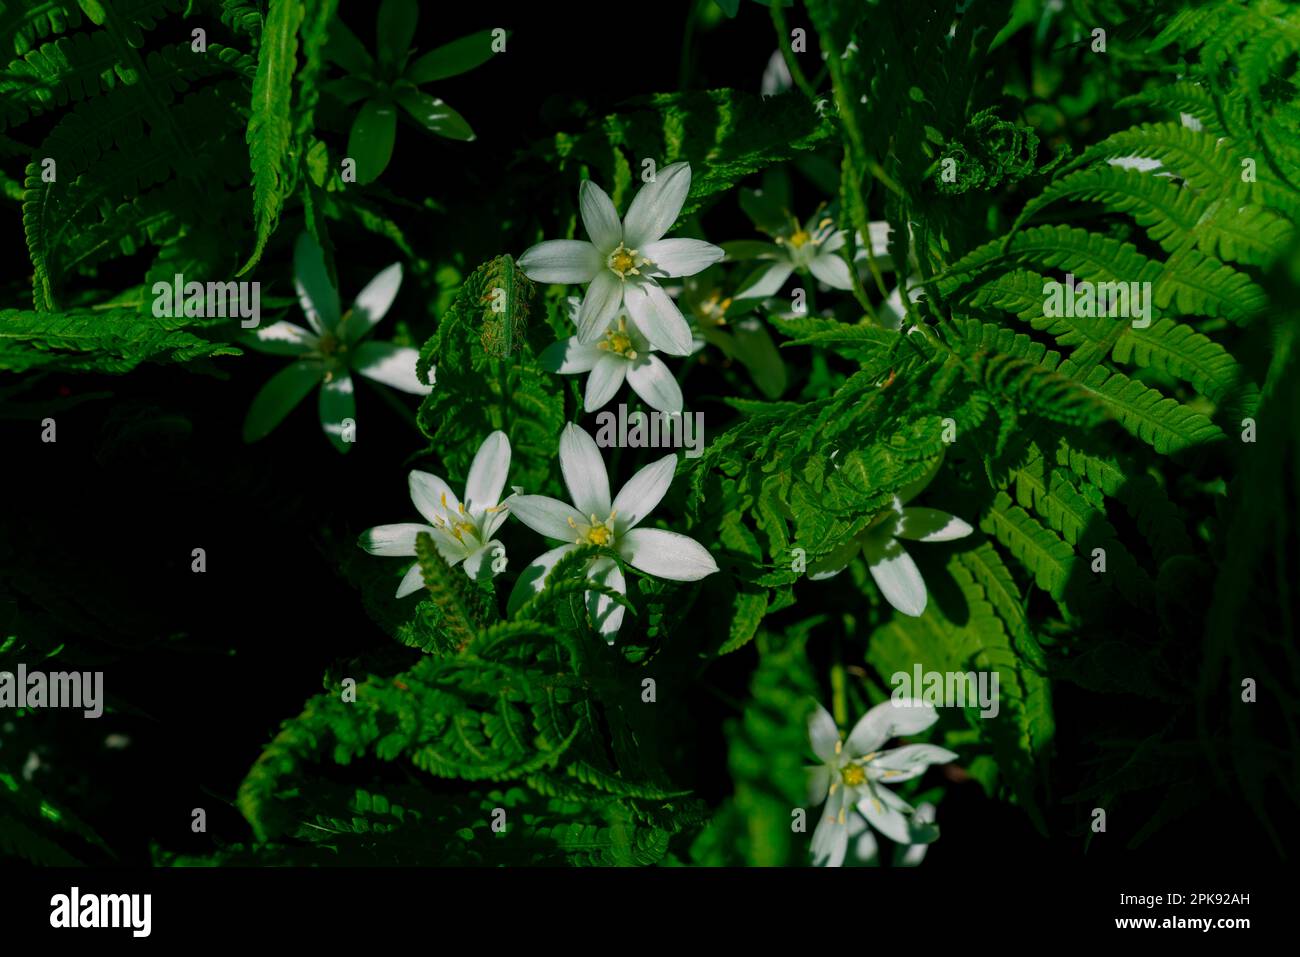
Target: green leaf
<point>280,396</point>
<point>270,125</point>
<point>111,340</point>
<point>370,143</point>
<point>397,19</point>
<point>435,115</point>
<point>452,59</point>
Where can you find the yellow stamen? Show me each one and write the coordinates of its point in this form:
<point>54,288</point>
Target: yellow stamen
<point>624,262</point>
<point>618,341</point>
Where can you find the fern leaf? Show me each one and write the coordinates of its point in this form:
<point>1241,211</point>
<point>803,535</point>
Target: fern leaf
<point>1181,351</point>
<point>270,123</point>
<point>1050,560</point>
<point>1161,422</point>
<point>110,341</point>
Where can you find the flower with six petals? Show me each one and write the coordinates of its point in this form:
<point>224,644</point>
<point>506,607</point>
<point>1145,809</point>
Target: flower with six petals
<point>330,351</point>
<point>854,772</point>
<point>625,260</point>
<point>461,530</point>
<point>595,519</point>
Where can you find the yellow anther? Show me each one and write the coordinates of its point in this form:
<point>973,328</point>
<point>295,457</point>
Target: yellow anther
<point>624,262</point>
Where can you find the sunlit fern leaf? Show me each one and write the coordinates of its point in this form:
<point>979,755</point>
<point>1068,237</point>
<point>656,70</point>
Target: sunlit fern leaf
<point>112,340</point>
<point>1162,422</point>
<point>270,122</point>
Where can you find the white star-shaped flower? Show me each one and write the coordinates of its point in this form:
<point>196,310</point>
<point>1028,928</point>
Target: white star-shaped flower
<point>330,351</point>
<point>625,260</point>
<point>892,568</point>
<point>622,354</point>
<point>811,248</point>
<point>596,520</point>
<point>461,530</point>
<point>854,772</point>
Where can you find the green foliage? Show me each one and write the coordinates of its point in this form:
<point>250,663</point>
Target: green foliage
<point>1127,480</point>
<point>481,344</point>
<point>114,340</point>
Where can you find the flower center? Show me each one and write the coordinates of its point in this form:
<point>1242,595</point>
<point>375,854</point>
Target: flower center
<point>597,533</point>
<point>854,776</point>
<point>714,309</point>
<point>800,238</point>
<point>618,341</point>
<point>625,262</point>
<point>329,344</point>
<point>458,524</point>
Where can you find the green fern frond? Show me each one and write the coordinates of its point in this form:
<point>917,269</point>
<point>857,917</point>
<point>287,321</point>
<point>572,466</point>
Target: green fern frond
<point>1162,422</point>
<point>1049,559</point>
<point>113,340</point>
<point>270,123</point>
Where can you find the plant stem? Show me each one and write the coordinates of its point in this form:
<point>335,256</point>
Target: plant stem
<point>839,687</point>
<point>783,35</point>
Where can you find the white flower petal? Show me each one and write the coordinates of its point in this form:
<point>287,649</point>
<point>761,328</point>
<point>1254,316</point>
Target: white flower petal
<point>897,576</point>
<point>411,582</point>
<point>655,383</point>
<point>931,525</point>
<point>283,339</point>
<point>338,406</point>
<point>487,474</point>
<point>834,243</point>
<point>818,782</point>
<point>667,555</point>
<point>830,565</point>
<point>599,306</point>
<point>643,492</point>
<point>831,269</point>
<point>911,760</point>
<point>561,260</point>
<point>888,820</point>
<point>862,840</point>
<point>570,356</point>
<point>889,719</point>
<point>605,380</point>
<point>830,840</point>
<point>396,539</point>
<point>316,294</point>
<point>479,563</point>
<point>392,365</point>
<point>656,206</point>
<point>584,472</point>
<point>879,230</point>
<point>498,517</point>
<point>1143,164</point>
<point>372,303</point>
<point>432,497</point>
<point>547,516</point>
<point>767,281</point>
<point>823,735</point>
<point>682,257</point>
<point>657,317</point>
<point>533,578</point>
<point>605,613</point>
<point>600,217</point>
